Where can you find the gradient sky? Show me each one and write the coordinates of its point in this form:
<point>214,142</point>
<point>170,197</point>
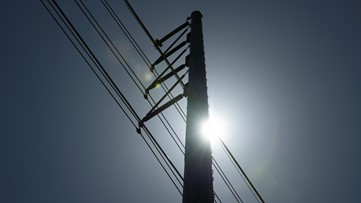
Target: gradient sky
<point>285,75</point>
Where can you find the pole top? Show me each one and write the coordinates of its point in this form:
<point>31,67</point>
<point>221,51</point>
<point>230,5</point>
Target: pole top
<point>197,13</point>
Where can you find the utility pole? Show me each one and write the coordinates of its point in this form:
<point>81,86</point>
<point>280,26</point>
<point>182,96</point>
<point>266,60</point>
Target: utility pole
<point>198,174</point>
<point>198,180</point>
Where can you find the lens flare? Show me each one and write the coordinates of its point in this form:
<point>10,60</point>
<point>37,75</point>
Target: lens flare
<point>212,129</point>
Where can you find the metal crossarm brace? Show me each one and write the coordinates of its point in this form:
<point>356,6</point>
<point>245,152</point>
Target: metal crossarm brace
<point>176,40</point>
<point>168,92</point>
<point>175,31</point>
<point>164,78</point>
<point>160,109</point>
<point>170,52</point>
<point>171,64</point>
<point>148,34</point>
<point>153,112</point>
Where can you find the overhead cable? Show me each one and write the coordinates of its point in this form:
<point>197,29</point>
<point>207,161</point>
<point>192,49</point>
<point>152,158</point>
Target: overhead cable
<point>82,43</point>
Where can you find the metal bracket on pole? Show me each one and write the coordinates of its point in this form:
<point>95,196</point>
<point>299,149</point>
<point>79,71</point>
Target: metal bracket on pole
<point>158,81</point>
<point>153,111</point>
<point>170,52</point>
<point>175,31</point>
<point>160,109</point>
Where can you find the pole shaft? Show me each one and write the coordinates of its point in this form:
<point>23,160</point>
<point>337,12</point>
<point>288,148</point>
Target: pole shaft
<point>198,180</point>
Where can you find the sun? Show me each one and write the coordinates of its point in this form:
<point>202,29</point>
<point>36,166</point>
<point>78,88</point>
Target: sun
<point>213,128</point>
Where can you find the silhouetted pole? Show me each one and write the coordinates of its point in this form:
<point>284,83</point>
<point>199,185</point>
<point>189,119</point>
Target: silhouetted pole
<point>198,180</point>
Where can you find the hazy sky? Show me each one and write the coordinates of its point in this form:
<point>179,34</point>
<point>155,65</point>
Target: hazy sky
<point>284,75</point>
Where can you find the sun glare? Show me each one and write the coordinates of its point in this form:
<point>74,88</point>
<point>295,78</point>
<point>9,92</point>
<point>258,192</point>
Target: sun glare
<point>212,129</point>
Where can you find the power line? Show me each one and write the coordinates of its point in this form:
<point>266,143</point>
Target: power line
<point>126,32</point>
<point>241,172</point>
<point>87,62</point>
<point>151,38</point>
<point>166,159</point>
<point>226,181</point>
<point>148,63</point>
<point>109,43</point>
<point>158,147</point>
<point>139,51</point>
<point>229,185</point>
<point>112,47</point>
<point>82,43</point>
<point>91,55</point>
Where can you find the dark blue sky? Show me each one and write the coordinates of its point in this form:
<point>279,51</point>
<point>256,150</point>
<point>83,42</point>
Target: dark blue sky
<point>285,76</point>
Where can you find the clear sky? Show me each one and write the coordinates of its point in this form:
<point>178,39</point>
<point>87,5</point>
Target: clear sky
<point>284,75</point>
